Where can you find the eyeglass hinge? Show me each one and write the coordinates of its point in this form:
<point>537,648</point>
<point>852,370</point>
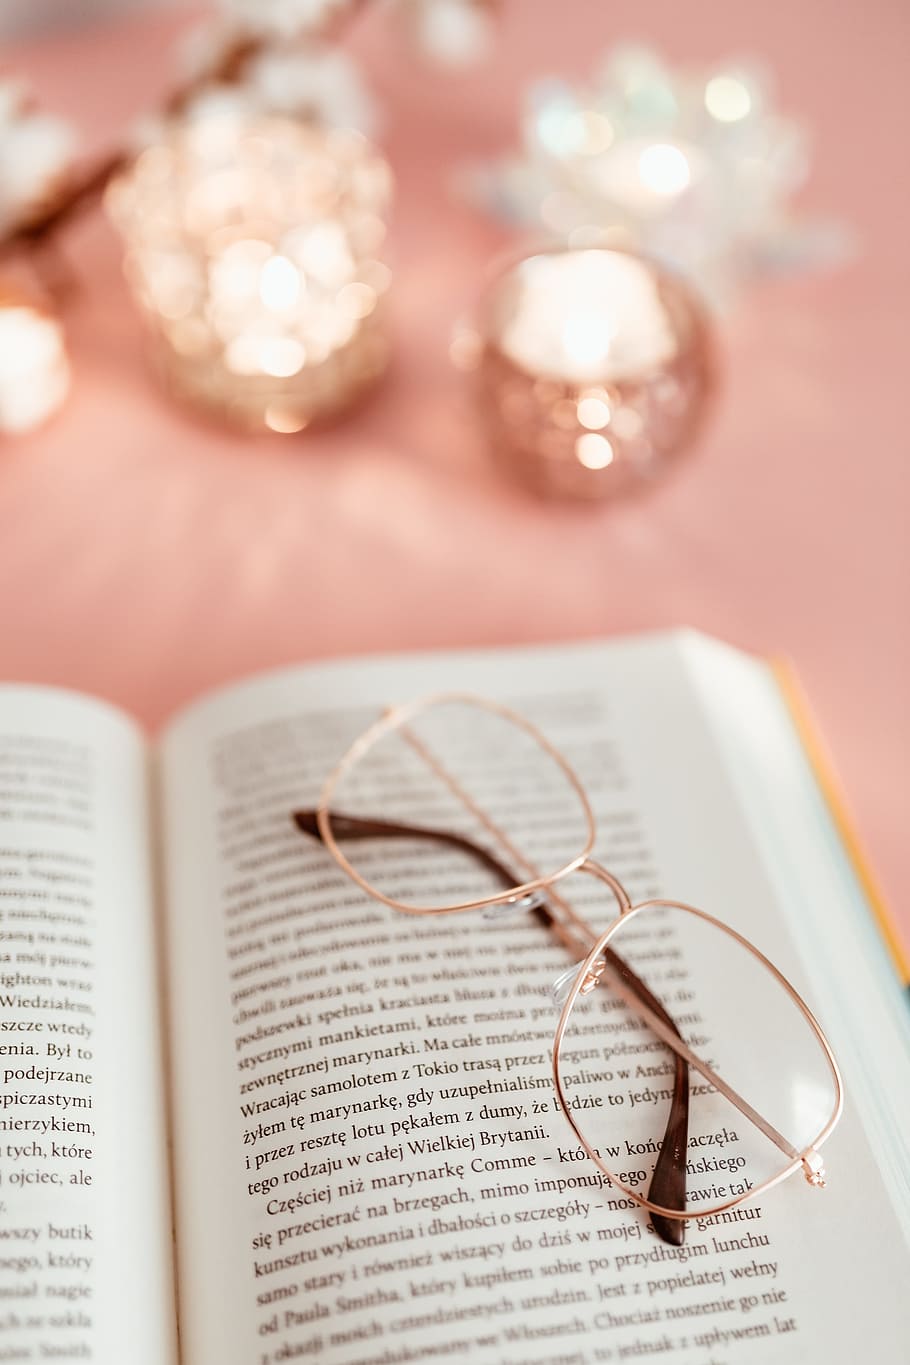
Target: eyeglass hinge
<point>814,1169</point>
<point>592,976</point>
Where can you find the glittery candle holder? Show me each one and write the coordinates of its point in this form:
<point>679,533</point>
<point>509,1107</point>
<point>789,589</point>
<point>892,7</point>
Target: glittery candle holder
<point>593,368</point>
<point>251,247</point>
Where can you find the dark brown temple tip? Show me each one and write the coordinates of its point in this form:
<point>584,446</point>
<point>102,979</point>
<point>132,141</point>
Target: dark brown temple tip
<point>305,820</point>
<point>668,1183</point>
<point>672,1230</point>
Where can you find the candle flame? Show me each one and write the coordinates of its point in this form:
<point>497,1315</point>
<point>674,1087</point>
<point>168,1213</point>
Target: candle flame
<point>664,169</point>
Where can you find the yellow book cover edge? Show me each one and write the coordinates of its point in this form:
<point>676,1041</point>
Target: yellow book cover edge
<point>833,793</point>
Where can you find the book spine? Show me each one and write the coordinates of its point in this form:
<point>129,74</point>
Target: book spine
<point>832,791</point>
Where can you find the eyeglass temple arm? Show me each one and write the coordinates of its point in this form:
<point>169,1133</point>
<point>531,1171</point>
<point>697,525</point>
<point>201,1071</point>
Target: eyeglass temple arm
<point>668,1183</point>
<point>347,827</point>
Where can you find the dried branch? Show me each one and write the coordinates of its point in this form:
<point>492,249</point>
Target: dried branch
<point>78,191</point>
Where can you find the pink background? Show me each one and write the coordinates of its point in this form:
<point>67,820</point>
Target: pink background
<point>145,556</point>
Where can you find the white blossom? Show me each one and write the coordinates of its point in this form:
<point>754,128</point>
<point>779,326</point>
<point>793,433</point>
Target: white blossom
<point>283,18</point>
<point>35,151</point>
<point>318,83</point>
<point>229,106</point>
<point>204,46</point>
<point>455,32</point>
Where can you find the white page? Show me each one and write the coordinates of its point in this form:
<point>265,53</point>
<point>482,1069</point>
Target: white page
<point>825,904</point>
<point>86,1270</point>
<point>522,1257</point>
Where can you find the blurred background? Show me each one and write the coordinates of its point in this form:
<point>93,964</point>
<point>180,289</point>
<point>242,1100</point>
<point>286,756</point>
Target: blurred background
<point>19,17</point>
<point>148,552</point>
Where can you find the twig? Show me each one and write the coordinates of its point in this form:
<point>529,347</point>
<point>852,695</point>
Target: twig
<point>80,191</point>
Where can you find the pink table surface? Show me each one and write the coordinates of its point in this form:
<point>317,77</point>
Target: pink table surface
<point>145,556</point>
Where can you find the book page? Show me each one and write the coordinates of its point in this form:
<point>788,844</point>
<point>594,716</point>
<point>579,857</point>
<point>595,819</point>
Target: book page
<point>370,1163</point>
<point>814,875</point>
<point>86,1270</point>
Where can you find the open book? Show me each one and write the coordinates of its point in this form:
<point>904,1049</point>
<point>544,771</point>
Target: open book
<point>240,1096</point>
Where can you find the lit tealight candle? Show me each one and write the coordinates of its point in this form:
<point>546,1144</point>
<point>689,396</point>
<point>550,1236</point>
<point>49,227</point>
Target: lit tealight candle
<point>644,178</point>
<point>594,366</point>
<point>34,371</point>
<point>252,247</point>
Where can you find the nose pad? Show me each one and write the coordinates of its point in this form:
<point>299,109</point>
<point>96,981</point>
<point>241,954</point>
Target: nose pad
<point>563,984</point>
<point>516,905</point>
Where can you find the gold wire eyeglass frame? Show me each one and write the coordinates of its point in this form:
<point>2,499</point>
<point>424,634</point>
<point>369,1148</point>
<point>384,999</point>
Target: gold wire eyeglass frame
<point>600,963</point>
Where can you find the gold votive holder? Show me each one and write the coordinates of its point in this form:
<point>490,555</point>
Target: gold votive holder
<point>34,370</point>
<point>593,367</point>
<point>252,246</point>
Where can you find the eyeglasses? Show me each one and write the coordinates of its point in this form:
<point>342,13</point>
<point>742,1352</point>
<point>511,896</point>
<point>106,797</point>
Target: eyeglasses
<point>689,1069</point>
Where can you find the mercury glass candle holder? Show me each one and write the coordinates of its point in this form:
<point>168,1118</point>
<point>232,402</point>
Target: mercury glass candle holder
<point>252,248</point>
<point>593,368</point>
<point>34,370</point>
